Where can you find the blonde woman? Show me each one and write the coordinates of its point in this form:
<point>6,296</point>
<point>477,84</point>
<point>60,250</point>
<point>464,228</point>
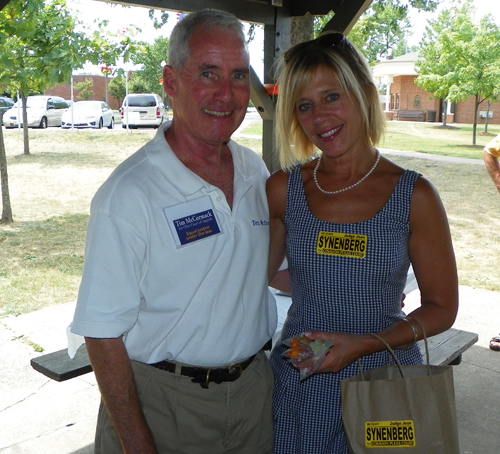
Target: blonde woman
<point>350,223</point>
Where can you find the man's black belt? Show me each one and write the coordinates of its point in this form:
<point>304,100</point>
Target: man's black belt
<point>204,376</point>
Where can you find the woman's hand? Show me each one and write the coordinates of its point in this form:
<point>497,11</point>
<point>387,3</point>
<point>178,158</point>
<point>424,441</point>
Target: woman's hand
<point>346,349</point>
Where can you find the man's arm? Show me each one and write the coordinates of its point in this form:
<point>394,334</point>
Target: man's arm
<point>493,168</point>
<point>114,375</point>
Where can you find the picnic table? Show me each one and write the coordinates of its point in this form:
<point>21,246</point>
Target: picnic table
<point>444,349</point>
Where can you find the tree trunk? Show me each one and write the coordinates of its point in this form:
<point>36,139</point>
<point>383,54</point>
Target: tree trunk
<point>486,120</point>
<point>302,29</point>
<point>25,123</point>
<point>474,126</point>
<point>6,208</point>
<point>445,113</point>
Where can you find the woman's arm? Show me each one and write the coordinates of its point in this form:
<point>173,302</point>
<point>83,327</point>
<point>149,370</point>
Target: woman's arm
<point>433,260</point>
<point>276,189</point>
<point>282,281</point>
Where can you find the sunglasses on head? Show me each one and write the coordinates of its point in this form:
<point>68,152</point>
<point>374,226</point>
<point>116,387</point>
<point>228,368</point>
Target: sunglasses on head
<point>336,41</point>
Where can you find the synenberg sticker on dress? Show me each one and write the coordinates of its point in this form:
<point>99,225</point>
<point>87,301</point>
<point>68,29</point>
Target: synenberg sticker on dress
<point>341,244</point>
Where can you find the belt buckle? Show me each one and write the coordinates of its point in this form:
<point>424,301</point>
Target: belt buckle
<point>236,368</point>
<point>207,380</point>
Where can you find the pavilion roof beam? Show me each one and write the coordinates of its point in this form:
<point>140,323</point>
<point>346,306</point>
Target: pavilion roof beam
<point>245,10</point>
<point>346,15</point>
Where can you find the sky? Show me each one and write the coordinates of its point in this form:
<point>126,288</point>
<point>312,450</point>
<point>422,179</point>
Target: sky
<point>88,11</point>
<point>119,18</point>
<point>419,19</point>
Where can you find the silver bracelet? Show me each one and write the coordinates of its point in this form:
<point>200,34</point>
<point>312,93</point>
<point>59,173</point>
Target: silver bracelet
<point>415,334</point>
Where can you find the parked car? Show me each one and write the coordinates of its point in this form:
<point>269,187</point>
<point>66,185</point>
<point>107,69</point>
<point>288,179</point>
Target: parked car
<point>88,114</point>
<point>5,104</point>
<point>42,111</point>
<point>143,109</point>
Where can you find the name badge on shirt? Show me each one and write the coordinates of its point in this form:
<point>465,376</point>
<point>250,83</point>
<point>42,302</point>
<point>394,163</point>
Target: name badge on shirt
<point>192,221</point>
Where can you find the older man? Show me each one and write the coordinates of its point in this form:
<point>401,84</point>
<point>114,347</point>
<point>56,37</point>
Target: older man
<point>174,303</point>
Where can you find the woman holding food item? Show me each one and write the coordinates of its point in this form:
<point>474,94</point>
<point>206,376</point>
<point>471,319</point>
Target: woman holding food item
<point>350,223</point>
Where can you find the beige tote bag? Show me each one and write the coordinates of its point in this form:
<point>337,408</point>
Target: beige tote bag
<point>400,409</point>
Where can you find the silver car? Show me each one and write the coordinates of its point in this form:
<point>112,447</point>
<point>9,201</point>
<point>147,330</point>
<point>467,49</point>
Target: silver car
<point>42,111</point>
<point>5,104</point>
<point>143,109</point>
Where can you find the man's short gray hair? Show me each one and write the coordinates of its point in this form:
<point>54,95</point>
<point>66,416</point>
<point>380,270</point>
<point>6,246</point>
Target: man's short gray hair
<point>178,47</point>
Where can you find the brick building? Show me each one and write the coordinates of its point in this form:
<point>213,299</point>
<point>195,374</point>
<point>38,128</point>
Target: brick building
<point>398,74</point>
<point>98,87</point>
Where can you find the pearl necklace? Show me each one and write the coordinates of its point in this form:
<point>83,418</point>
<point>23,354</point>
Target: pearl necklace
<point>349,187</point>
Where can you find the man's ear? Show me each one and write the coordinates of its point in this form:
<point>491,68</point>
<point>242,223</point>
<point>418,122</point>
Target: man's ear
<point>169,80</point>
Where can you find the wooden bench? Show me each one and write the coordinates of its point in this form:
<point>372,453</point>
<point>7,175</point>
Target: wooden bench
<point>445,348</point>
<point>402,115</point>
<point>60,367</point>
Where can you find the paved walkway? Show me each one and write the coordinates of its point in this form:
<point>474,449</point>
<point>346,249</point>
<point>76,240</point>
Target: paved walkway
<point>433,157</point>
<point>39,415</point>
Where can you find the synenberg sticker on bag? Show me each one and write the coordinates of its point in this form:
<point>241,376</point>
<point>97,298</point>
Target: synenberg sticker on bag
<point>389,434</point>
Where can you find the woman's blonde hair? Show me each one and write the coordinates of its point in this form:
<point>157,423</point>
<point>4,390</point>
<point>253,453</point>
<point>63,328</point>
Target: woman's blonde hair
<point>295,70</point>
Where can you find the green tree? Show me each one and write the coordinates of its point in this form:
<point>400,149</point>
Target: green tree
<point>460,59</point>
<point>383,27</point>
<point>159,18</point>
<point>152,58</point>
<point>117,88</point>
<point>380,29</point>
<point>41,48</point>
<point>85,88</point>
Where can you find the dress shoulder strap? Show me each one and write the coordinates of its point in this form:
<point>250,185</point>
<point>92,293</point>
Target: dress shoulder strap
<point>399,203</point>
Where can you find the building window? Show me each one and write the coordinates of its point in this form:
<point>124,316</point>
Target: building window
<point>392,102</point>
<point>416,101</point>
<point>397,101</point>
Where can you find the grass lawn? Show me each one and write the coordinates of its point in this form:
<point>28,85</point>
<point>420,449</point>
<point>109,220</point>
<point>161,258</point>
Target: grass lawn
<point>41,253</point>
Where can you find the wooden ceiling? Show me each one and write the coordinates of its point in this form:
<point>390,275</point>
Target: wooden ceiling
<point>265,11</point>
<point>261,11</point>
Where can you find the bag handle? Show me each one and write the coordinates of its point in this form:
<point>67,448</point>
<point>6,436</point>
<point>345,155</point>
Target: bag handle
<point>427,357</point>
<point>391,351</point>
<point>396,360</point>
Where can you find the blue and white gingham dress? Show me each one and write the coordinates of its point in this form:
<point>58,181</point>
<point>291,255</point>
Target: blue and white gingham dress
<point>337,294</point>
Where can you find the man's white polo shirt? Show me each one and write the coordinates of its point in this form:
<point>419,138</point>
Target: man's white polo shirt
<point>171,267</point>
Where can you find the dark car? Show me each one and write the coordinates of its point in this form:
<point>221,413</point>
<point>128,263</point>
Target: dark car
<point>5,104</point>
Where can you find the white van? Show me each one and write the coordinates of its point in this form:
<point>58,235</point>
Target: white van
<point>42,111</point>
<point>143,109</point>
